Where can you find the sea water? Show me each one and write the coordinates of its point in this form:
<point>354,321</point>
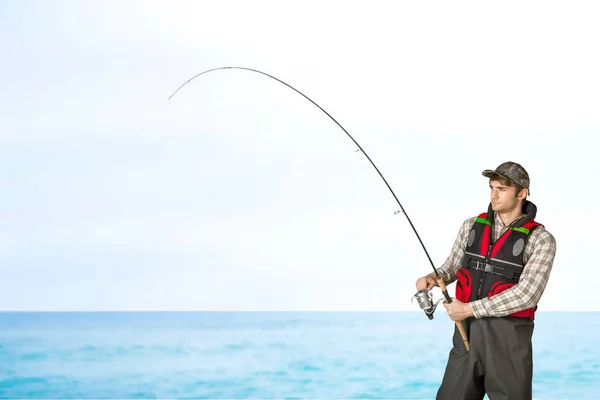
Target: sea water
<point>230,355</point>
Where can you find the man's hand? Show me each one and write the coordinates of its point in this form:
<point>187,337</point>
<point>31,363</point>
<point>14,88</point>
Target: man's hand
<point>457,310</point>
<point>426,282</point>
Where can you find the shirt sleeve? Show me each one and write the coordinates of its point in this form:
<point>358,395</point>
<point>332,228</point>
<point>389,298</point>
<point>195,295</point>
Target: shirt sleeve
<point>454,262</point>
<point>532,283</point>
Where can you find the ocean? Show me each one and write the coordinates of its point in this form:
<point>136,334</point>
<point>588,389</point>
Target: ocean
<point>266,355</point>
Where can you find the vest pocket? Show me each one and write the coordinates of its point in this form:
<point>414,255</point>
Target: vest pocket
<point>463,285</point>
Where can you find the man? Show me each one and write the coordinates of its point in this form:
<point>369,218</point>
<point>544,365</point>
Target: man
<point>501,261</point>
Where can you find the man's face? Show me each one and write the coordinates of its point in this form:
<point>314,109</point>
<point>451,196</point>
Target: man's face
<point>504,198</point>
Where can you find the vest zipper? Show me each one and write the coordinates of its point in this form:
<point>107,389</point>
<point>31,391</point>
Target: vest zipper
<point>484,274</point>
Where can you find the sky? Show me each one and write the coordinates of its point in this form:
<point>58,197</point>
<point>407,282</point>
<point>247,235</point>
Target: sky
<point>238,193</point>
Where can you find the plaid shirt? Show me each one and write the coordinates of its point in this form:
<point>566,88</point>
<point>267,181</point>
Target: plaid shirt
<point>538,257</point>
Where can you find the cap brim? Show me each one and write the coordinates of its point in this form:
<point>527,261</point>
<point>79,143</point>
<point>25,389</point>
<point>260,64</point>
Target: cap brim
<point>488,173</point>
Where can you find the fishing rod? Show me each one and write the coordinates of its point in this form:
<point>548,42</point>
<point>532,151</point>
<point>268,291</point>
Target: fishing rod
<point>422,296</point>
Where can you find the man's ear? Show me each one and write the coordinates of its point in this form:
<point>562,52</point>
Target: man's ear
<point>523,194</point>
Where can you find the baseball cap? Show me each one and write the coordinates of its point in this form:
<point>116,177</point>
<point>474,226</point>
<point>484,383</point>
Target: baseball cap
<point>511,171</point>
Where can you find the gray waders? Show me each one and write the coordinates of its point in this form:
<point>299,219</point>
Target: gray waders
<point>500,362</point>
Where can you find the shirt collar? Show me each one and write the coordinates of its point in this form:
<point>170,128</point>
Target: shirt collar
<point>501,223</point>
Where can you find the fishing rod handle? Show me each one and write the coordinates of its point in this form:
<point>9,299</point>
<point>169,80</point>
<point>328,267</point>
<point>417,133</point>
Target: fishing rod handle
<point>459,324</point>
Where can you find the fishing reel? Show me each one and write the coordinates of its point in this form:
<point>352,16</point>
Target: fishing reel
<point>425,299</point>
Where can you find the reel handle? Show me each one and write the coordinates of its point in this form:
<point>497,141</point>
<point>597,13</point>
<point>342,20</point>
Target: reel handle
<point>459,324</point>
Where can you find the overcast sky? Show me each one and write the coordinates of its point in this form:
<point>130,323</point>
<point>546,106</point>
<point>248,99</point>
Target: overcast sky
<point>238,193</point>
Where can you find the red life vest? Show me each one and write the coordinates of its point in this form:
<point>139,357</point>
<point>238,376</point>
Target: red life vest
<point>492,267</point>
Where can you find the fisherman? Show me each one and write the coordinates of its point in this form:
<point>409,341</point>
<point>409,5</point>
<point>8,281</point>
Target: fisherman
<point>501,262</point>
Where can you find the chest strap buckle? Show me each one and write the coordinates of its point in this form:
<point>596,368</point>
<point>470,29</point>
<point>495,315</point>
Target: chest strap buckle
<point>506,272</point>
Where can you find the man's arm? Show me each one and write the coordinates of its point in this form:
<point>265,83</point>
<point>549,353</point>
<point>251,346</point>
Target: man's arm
<point>527,293</point>
<point>454,261</point>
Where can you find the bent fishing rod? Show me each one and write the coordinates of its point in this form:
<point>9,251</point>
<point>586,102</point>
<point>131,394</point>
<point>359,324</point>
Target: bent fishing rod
<point>423,303</point>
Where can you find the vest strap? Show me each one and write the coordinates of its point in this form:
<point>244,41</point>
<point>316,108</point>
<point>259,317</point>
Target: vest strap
<point>506,272</point>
